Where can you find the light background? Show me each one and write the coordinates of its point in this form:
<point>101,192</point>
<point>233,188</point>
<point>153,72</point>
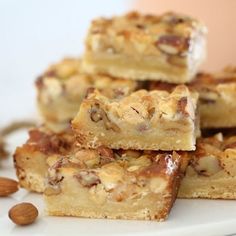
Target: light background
<point>219,17</point>
<point>34,34</point>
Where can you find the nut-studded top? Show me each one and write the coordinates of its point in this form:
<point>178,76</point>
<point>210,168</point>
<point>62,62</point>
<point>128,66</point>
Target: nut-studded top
<point>67,79</point>
<point>143,105</point>
<point>169,33</point>
<point>211,87</point>
<point>215,155</point>
<point>113,170</point>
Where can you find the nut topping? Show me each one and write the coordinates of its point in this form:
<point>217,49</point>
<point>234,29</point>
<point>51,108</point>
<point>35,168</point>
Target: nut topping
<point>207,165</point>
<point>87,178</point>
<point>172,44</point>
<point>52,190</point>
<point>97,114</point>
<point>110,175</point>
<point>182,103</point>
<point>106,154</point>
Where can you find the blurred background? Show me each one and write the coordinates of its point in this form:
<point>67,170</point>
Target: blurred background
<point>34,34</point>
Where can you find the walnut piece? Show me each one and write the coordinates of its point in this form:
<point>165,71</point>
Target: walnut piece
<point>87,178</point>
<point>207,165</point>
<point>97,114</point>
<point>172,44</point>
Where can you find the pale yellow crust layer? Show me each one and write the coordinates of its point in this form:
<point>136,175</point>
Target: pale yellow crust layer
<point>114,184</point>
<point>212,170</point>
<point>169,47</point>
<point>144,120</point>
<point>64,85</point>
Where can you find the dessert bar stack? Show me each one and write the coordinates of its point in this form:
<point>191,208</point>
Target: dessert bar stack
<point>121,134</point>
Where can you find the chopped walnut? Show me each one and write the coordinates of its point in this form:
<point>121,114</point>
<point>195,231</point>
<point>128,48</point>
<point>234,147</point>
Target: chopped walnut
<point>172,44</point>
<point>88,178</point>
<point>206,165</point>
<point>182,103</point>
<point>97,114</point>
<point>106,154</point>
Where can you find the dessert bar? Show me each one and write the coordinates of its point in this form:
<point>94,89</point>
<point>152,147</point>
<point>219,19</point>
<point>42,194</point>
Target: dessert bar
<point>217,93</point>
<point>63,86</point>
<point>212,169</point>
<point>169,47</point>
<point>155,120</point>
<point>115,184</point>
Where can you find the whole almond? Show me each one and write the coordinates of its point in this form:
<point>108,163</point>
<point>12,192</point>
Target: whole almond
<point>23,213</point>
<point>7,186</point>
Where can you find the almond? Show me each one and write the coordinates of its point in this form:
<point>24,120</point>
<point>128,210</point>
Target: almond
<point>23,213</point>
<point>7,186</point>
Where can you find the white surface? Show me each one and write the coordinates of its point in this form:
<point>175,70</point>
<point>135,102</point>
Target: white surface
<point>188,217</point>
<point>34,34</point>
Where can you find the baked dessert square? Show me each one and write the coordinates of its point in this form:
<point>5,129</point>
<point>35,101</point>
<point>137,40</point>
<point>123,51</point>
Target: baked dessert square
<point>217,96</point>
<point>155,120</point>
<point>114,184</point>
<point>168,47</point>
<point>31,158</point>
<point>217,93</point>
<point>212,169</point>
<point>64,85</point>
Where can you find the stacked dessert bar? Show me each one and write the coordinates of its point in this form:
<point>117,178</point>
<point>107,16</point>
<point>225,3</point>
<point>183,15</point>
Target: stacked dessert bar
<point>121,134</point>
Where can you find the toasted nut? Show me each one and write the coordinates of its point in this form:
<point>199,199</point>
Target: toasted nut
<point>95,114</point>
<point>110,175</point>
<point>7,186</point>
<point>207,165</point>
<point>172,44</point>
<point>86,158</point>
<point>110,125</point>
<point>142,161</point>
<point>182,104</point>
<point>106,154</point>
<point>23,213</point>
<point>52,190</point>
<point>87,178</point>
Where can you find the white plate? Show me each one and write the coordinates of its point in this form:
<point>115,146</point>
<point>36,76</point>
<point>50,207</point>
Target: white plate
<point>188,217</point>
